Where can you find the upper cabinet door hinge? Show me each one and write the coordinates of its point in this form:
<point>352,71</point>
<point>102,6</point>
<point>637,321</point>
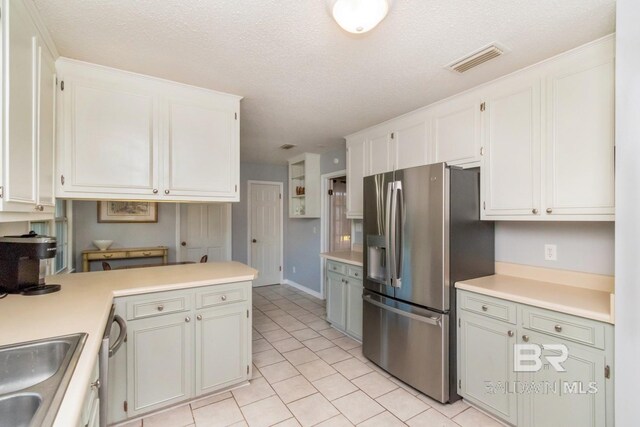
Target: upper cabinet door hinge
<point>235,115</point>
<point>459,323</point>
<point>482,151</point>
<point>280,196</point>
<point>607,372</point>
<point>247,314</point>
<point>280,268</point>
<point>62,179</point>
<point>62,85</point>
<point>484,206</point>
<point>247,369</point>
<point>393,135</point>
<point>125,406</point>
<point>483,106</point>
<point>236,188</point>
<point>1,192</point>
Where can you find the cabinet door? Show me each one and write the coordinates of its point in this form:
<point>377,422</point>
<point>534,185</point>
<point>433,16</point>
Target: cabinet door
<point>511,160</point>
<point>485,364</point>
<point>354,307</point>
<point>576,397</point>
<point>109,140</point>
<point>379,148</point>
<point>336,299</point>
<point>20,143</point>
<point>222,348</point>
<point>201,151</point>
<point>410,137</point>
<point>159,360</point>
<point>457,130</point>
<point>356,170</point>
<point>46,127</point>
<point>580,137</point>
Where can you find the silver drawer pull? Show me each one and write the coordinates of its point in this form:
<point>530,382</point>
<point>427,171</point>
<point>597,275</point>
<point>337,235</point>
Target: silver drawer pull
<point>146,253</point>
<point>355,274</point>
<point>485,308</point>
<point>223,297</point>
<point>160,307</point>
<point>558,328</point>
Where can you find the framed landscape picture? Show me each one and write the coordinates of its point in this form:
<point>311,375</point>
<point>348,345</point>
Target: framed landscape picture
<point>117,211</point>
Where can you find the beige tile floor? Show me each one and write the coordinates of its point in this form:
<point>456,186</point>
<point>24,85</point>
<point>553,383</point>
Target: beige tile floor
<point>306,373</point>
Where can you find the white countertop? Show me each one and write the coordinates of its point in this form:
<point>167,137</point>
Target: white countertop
<point>589,303</point>
<point>348,257</point>
<point>83,305</point>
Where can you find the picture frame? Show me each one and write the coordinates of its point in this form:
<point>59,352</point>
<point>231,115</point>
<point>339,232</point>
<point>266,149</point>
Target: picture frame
<point>116,211</point>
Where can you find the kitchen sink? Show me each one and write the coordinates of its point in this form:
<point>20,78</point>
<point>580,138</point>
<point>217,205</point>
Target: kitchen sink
<point>34,377</point>
<point>18,410</point>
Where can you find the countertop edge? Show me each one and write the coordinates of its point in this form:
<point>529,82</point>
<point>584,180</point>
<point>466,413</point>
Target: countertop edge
<point>537,303</point>
<point>343,260</point>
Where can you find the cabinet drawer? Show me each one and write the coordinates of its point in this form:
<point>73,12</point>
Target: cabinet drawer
<point>355,272</point>
<point>108,255</point>
<point>141,254</point>
<point>583,331</point>
<point>336,267</point>
<point>220,295</point>
<point>487,306</point>
<point>157,306</point>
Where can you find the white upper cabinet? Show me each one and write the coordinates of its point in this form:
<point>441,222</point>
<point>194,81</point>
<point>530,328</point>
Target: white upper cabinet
<point>129,136</point>
<point>28,108</point>
<point>409,141</point>
<point>356,171</point>
<point>379,151</point>
<point>457,130</point>
<point>510,164</point>
<point>580,151</point>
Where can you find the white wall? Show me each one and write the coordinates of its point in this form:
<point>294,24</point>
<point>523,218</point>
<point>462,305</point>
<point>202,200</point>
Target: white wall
<point>581,246</point>
<point>627,267</point>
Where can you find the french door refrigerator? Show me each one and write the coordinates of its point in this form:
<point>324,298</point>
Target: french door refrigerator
<point>422,233</point>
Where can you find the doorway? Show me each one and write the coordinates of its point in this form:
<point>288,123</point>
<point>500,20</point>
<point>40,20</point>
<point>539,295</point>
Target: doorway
<point>339,230</point>
<point>265,231</point>
<point>205,229</point>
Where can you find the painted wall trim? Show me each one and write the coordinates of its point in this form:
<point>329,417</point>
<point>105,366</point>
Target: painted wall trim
<point>281,187</point>
<point>303,288</point>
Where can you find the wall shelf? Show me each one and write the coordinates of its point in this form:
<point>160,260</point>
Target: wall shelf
<point>304,171</point>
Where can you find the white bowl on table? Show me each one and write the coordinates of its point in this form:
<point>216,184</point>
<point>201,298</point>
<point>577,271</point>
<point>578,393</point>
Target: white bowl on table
<point>103,245</point>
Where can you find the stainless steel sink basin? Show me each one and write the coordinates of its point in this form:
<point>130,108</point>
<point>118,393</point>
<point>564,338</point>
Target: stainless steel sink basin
<point>34,377</point>
<point>18,410</point>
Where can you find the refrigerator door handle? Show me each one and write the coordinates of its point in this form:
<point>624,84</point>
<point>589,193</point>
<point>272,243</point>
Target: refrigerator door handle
<point>432,320</point>
<point>398,219</point>
<point>387,239</point>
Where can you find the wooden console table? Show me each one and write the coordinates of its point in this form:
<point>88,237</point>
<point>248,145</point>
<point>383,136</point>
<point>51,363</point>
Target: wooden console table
<point>123,253</point>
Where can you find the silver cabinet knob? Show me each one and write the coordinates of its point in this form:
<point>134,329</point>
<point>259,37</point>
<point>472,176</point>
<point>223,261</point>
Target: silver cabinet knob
<point>199,317</point>
<point>166,191</point>
<point>485,308</point>
<point>155,191</point>
<point>223,297</point>
<point>160,307</point>
<point>534,211</point>
<point>549,210</point>
<point>525,338</point>
<point>39,208</point>
<point>558,328</point>
<point>187,319</point>
<point>95,384</point>
<point>510,333</point>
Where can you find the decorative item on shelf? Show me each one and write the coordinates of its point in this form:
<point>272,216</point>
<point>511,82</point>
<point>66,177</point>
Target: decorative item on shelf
<point>103,245</point>
<point>116,211</point>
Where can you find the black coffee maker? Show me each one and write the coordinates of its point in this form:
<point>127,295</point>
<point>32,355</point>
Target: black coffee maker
<point>23,265</point>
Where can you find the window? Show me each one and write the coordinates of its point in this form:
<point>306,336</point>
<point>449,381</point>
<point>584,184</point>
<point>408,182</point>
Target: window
<point>62,236</point>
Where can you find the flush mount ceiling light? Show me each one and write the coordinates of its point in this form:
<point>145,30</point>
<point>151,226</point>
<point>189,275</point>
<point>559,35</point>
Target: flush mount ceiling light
<point>359,16</point>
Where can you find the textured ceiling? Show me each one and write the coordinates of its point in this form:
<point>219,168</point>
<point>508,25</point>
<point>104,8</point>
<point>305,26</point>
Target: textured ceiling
<point>304,80</point>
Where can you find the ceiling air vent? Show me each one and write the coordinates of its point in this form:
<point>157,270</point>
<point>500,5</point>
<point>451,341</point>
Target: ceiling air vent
<point>287,146</point>
<point>476,58</point>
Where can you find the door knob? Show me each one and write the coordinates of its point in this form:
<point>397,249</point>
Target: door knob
<point>254,241</point>
<point>183,243</point>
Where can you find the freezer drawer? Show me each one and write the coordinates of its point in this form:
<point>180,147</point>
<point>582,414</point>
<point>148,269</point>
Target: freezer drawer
<point>409,342</point>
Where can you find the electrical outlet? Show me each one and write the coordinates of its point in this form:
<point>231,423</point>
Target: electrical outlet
<point>315,230</point>
<point>550,253</point>
<point>294,270</point>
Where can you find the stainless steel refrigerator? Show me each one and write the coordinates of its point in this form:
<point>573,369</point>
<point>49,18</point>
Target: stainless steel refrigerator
<point>422,233</point>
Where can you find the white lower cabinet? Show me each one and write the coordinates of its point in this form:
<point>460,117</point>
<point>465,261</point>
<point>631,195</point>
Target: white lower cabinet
<point>180,345</point>
<point>491,330</point>
<point>344,297</point>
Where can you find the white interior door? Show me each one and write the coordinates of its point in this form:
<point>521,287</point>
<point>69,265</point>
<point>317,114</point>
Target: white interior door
<point>205,229</point>
<point>265,231</point>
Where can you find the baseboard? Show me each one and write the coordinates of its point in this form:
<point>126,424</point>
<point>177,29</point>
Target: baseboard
<point>303,288</point>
